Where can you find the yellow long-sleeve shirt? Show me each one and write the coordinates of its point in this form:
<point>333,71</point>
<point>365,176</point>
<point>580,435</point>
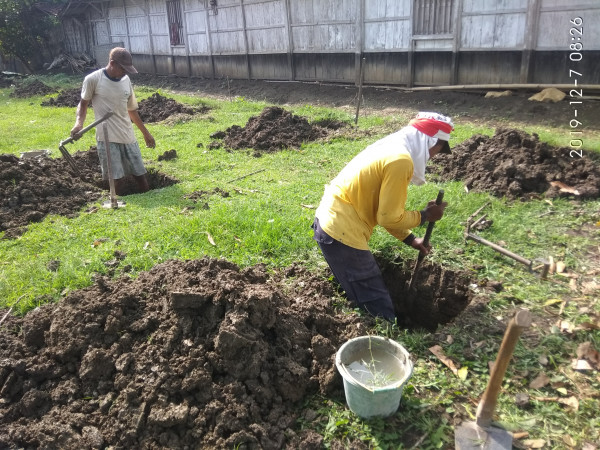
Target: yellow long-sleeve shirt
<point>371,190</point>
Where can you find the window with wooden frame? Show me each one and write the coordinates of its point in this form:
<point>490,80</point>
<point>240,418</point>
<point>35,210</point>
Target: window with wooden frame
<point>175,19</point>
<point>432,17</point>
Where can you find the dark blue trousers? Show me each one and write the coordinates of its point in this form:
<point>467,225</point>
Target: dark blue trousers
<point>358,274</point>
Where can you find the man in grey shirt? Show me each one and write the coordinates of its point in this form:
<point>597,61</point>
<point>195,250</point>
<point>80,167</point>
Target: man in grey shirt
<point>110,89</point>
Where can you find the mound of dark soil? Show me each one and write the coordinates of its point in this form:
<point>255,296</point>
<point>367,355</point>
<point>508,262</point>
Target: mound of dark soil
<point>516,164</point>
<point>31,189</point>
<point>68,97</point>
<point>201,195</point>
<point>157,107</point>
<point>168,155</point>
<point>195,354</point>
<point>274,129</point>
<point>36,87</point>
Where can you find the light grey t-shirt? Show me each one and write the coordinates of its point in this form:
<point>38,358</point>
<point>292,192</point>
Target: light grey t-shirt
<point>117,96</point>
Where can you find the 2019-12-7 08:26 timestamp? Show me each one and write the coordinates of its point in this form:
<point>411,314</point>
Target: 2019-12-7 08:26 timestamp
<point>576,94</point>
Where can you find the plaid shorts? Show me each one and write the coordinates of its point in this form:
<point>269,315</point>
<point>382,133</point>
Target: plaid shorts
<point>125,159</point>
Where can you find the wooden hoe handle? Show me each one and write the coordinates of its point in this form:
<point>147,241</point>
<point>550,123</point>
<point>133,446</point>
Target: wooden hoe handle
<point>487,404</point>
<point>430,225</point>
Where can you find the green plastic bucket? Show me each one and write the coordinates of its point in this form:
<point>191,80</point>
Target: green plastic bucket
<point>375,370</point>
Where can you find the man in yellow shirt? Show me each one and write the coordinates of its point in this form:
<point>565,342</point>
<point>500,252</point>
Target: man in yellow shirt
<point>372,190</point>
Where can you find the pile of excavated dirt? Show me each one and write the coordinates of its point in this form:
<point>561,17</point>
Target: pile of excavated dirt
<point>190,354</point>
<point>30,189</point>
<point>157,107</point>
<point>36,87</point>
<point>67,97</point>
<point>515,164</point>
<point>195,353</point>
<point>274,129</point>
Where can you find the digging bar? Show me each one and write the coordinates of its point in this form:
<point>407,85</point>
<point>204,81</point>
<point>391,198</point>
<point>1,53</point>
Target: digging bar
<point>498,248</point>
<point>63,150</point>
<point>438,201</point>
<point>481,434</point>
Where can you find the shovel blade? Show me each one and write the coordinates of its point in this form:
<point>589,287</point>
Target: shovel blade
<point>470,436</point>
<point>69,159</point>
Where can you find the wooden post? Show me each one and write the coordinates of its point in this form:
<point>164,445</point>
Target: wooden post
<point>531,30</point>
<point>126,26</point>
<point>360,39</point>
<point>108,32</point>
<point>186,41</point>
<point>360,85</point>
<point>457,19</point>
<point>209,45</point>
<point>147,8</point>
<point>246,47</point>
<point>410,63</point>
<point>290,50</point>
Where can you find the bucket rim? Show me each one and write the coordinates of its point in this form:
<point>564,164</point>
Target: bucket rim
<point>348,378</point>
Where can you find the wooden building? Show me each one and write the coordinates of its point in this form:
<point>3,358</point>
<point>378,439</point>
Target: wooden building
<point>398,42</point>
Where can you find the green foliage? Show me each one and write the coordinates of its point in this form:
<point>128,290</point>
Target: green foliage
<point>24,29</point>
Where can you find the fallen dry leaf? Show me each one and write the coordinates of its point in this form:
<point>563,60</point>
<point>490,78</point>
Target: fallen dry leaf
<point>560,267</point>
<point>534,443</point>
<point>569,440</point>
<point>552,265</point>
<point>571,402</point>
<point>564,187</point>
<point>540,381</point>
<point>581,365</point>
<point>587,351</point>
<point>552,301</point>
<point>210,238</point>
<point>573,284</point>
<point>589,287</point>
<point>566,326</point>
<point>476,345</point>
<point>307,206</point>
<point>594,325</point>
<point>438,351</point>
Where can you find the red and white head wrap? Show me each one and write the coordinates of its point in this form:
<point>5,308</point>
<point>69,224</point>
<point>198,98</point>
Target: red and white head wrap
<point>433,124</point>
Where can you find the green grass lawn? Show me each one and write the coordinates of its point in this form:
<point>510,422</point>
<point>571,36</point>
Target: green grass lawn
<point>266,219</point>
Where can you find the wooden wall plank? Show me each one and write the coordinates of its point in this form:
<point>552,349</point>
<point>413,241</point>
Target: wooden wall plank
<point>326,38</point>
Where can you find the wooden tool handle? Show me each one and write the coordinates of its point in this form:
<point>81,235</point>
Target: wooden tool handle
<point>421,256</point>
<point>487,404</point>
<point>86,129</point>
<point>438,201</point>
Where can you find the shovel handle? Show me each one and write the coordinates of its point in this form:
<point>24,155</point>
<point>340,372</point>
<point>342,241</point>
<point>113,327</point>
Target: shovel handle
<point>438,201</point>
<point>86,129</point>
<point>421,256</point>
<point>487,404</point>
